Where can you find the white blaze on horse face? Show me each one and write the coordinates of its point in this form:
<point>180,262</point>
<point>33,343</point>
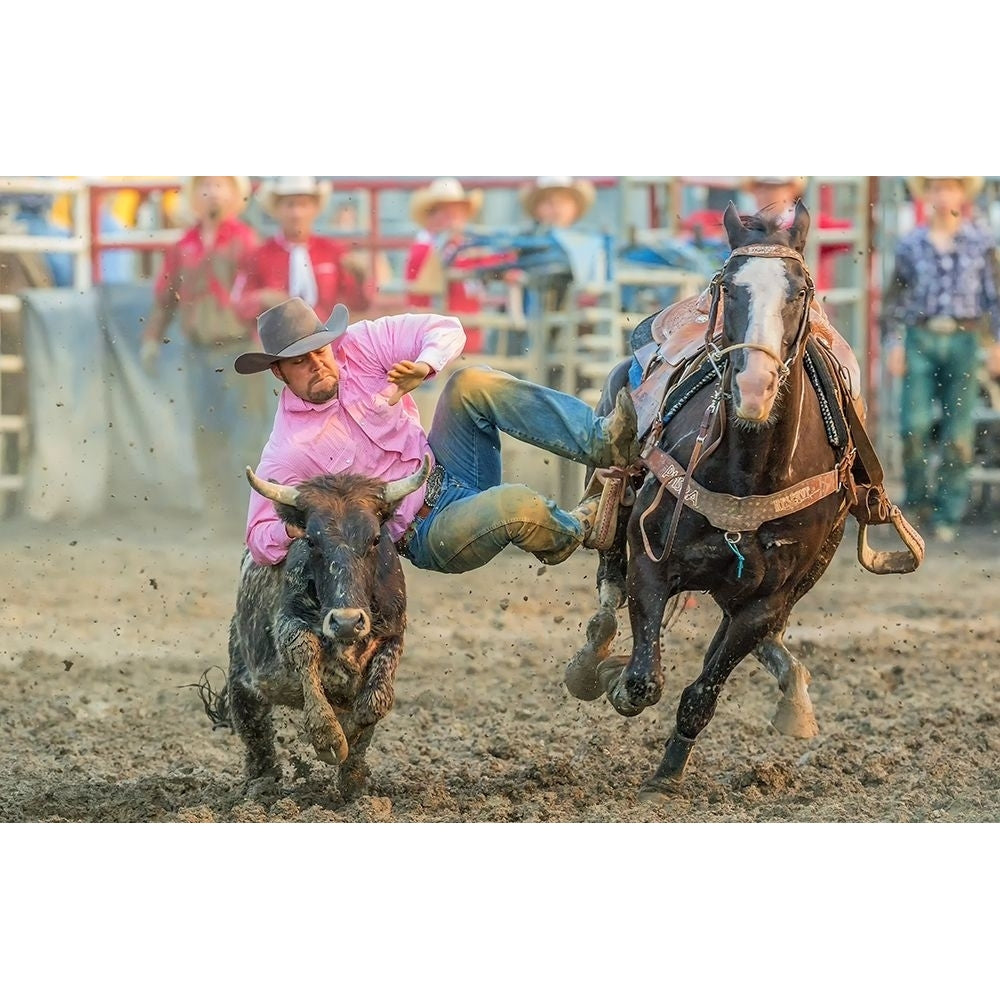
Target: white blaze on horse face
<point>767,282</point>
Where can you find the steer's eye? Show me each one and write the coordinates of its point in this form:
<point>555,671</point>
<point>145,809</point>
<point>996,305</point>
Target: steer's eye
<point>375,541</point>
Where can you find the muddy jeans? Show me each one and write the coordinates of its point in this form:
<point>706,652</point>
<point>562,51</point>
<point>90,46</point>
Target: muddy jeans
<point>940,368</point>
<point>477,515</point>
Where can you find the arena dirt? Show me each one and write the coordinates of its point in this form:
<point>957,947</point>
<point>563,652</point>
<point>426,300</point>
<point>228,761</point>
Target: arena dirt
<point>106,626</point>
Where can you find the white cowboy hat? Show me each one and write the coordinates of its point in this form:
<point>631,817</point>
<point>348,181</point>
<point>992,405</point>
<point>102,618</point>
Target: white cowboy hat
<point>581,190</point>
<point>243,191</point>
<point>279,187</point>
<point>443,191</point>
<point>918,185</point>
<point>798,183</point>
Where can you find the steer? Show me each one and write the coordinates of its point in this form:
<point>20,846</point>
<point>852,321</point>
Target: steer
<point>322,631</point>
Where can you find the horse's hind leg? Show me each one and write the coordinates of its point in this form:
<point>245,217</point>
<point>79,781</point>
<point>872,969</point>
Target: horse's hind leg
<point>794,715</point>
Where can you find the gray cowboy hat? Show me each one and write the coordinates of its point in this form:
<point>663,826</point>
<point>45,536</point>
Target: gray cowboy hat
<point>289,330</point>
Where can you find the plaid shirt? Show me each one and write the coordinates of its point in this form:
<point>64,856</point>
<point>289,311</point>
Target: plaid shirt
<point>961,283</point>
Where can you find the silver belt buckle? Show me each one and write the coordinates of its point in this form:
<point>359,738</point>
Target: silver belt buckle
<point>942,324</point>
<point>435,486</point>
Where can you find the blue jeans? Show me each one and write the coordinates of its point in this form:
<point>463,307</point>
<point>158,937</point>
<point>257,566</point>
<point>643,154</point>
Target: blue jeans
<point>941,369</point>
<point>477,516</point>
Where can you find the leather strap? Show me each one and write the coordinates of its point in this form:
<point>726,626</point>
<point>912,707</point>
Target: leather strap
<point>729,513</point>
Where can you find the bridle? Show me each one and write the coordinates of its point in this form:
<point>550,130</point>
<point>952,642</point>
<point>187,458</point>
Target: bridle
<point>716,353</point>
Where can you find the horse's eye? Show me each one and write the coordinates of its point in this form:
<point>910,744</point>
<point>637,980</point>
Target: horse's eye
<point>375,541</point>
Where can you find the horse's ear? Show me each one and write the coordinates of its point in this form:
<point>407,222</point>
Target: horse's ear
<point>735,229</point>
<point>799,229</point>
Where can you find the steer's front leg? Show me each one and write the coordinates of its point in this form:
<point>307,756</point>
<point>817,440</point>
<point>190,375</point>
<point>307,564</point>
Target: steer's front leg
<point>304,649</point>
<point>376,698</point>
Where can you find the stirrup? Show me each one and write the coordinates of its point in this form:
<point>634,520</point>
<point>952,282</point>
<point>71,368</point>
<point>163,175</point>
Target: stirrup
<point>611,484</point>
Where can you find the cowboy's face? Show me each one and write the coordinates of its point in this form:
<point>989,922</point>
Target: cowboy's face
<point>296,214</point>
<point>313,377</point>
<point>556,208</point>
<point>448,217</point>
<point>215,197</point>
<point>945,195</point>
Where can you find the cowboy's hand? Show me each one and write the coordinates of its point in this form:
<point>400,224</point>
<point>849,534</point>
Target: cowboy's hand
<point>993,361</point>
<point>406,376</point>
<point>149,355</point>
<point>294,531</point>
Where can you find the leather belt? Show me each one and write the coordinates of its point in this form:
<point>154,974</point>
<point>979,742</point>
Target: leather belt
<point>950,324</point>
<point>432,493</point>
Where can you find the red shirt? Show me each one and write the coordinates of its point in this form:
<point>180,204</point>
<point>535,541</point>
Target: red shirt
<point>267,269</point>
<point>462,296</point>
<point>197,279</point>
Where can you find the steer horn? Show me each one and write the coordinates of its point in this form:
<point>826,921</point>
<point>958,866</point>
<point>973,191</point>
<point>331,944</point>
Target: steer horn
<point>399,488</point>
<point>279,494</point>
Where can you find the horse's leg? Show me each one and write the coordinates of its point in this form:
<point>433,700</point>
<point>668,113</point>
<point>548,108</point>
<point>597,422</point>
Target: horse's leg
<point>699,699</point>
<point>581,677</point>
<point>640,683</point>
<point>794,715</point>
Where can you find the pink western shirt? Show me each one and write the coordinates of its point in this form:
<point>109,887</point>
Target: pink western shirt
<point>359,431</point>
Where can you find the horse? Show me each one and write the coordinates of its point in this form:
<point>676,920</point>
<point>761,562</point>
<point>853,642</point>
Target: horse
<point>767,466</point>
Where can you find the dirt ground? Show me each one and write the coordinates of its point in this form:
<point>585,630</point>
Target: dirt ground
<point>106,625</point>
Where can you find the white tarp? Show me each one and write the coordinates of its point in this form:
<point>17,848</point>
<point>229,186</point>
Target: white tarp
<point>102,433</point>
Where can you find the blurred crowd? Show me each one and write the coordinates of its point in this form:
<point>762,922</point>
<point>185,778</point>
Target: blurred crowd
<point>246,247</point>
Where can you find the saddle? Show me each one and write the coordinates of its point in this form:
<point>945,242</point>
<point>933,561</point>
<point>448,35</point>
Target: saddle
<point>671,348</point>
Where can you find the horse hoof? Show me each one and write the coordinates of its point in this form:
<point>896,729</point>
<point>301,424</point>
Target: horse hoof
<point>581,677</point>
<point>660,789</point>
<point>792,720</point>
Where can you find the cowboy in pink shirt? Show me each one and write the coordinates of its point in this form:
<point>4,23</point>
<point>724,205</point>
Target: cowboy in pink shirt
<point>345,408</point>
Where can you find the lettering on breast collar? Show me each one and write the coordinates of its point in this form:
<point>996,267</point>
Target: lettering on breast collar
<point>791,499</point>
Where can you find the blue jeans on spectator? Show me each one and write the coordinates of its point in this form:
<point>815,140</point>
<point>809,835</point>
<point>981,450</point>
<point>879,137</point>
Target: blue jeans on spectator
<point>477,515</point>
<point>941,368</point>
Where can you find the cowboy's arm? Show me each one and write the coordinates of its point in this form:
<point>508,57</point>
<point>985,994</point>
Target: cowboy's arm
<point>267,537</point>
<point>417,338</point>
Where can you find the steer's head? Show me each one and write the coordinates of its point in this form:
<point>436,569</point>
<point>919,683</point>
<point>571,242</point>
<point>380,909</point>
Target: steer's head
<point>344,569</point>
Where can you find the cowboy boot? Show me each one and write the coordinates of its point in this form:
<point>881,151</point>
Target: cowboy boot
<point>622,427</point>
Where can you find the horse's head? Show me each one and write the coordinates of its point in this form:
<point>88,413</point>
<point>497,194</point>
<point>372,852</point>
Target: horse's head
<point>766,291</point>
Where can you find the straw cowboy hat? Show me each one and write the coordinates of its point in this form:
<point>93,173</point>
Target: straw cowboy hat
<point>582,191</point>
<point>279,187</point>
<point>289,330</point>
<point>918,185</point>
<point>443,191</point>
<point>797,183</point>
<point>243,191</point>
